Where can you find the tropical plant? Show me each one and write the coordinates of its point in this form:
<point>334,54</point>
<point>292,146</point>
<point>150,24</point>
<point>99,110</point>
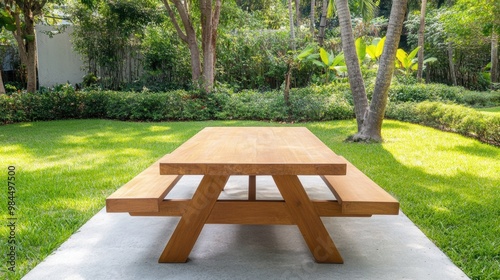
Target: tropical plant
<point>407,63</point>
<point>331,63</point>
<point>374,50</point>
<point>328,61</point>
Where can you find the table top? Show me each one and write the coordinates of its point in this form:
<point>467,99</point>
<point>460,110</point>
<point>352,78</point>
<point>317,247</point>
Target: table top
<point>253,151</point>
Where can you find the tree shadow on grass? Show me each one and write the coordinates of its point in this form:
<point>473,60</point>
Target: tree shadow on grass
<point>458,209</point>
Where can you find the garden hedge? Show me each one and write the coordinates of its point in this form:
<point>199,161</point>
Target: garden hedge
<point>439,92</point>
<point>309,104</point>
<point>449,117</point>
<point>422,104</point>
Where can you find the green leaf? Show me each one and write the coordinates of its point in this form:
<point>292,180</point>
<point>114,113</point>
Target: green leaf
<point>380,47</point>
<point>4,14</point>
<point>330,58</point>
<point>413,53</point>
<point>29,37</point>
<point>10,27</point>
<point>360,49</point>
<point>319,63</point>
<point>403,59</point>
<point>324,56</point>
<point>371,50</point>
<point>339,60</point>
<point>331,9</point>
<point>305,53</point>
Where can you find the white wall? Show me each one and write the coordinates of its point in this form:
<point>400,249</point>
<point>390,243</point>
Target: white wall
<point>58,63</point>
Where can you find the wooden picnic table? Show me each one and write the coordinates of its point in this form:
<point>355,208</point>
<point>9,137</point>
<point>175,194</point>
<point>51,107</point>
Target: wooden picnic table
<point>281,152</point>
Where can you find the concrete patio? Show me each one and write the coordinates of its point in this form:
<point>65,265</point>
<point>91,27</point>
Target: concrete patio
<point>118,246</point>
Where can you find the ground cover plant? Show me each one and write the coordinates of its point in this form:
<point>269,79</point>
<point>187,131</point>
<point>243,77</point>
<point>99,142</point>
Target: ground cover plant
<point>447,184</point>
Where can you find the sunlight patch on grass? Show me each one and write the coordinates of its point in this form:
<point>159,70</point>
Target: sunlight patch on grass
<point>156,128</point>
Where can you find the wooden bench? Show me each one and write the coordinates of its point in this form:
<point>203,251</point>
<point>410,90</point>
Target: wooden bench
<point>359,195</point>
<point>356,194</point>
<point>143,193</point>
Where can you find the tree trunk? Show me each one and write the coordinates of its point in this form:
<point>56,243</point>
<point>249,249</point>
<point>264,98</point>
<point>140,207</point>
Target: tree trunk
<point>202,75</point>
<point>206,41</point>
<point>453,76</point>
<point>209,22</point>
<point>421,32</point>
<point>2,88</point>
<point>313,11</point>
<point>31,64</point>
<point>494,56</point>
<point>188,36</point>
<point>371,129</point>
<point>297,12</point>
<point>352,62</point>
<point>292,29</point>
<point>322,23</point>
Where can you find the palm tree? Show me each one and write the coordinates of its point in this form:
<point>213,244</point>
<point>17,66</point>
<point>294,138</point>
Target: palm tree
<point>370,116</point>
<point>421,31</point>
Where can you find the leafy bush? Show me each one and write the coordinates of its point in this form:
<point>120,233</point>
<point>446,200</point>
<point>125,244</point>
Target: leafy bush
<point>257,59</point>
<point>320,103</point>
<point>63,102</point>
<point>315,103</point>
<point>440,92</point>
<point>254,105</point>
<point>450,117</point>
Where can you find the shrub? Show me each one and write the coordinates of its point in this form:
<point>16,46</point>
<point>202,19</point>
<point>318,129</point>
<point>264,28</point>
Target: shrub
<point>254,105</point>
<point>450,117</point>
<point>318,103</point>
<point>405,112</point>
<point>440,92</point>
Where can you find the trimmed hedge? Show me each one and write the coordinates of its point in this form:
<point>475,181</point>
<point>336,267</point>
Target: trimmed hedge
<point>440,92</point>
<point>315,103</point>
<point>310,104</point>
<point>449,117</point>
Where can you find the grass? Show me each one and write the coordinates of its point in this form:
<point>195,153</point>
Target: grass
<point>447,184</point>
<point>490,110</point>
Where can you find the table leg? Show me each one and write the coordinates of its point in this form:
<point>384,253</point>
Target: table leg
<point>302,210</point>
<point>187,231</point>
<point>252,187</point>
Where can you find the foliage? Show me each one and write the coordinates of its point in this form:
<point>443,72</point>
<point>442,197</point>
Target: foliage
<point>450,117</point>
<point>108,32</point>
<point>6,20</point>
<point>272,14</point>
<point>327,61</point>
<point>63,102</point>
<point>471,53</point>
<point>258,59</point>
<point>330,62</point>
<point>440,92</point>
<point>314,103</point>
<point>166,59</point>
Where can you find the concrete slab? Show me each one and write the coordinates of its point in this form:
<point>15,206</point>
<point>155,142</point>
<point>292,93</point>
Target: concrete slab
<point>118,246</point>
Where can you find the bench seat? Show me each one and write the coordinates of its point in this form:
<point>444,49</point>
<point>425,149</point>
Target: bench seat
<point>359,195</point>
<point>144,192</point>
<point>356,194</point>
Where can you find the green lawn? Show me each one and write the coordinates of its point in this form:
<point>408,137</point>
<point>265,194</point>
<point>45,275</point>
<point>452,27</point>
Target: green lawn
<point>490,110</point>
<point>447,184</point>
